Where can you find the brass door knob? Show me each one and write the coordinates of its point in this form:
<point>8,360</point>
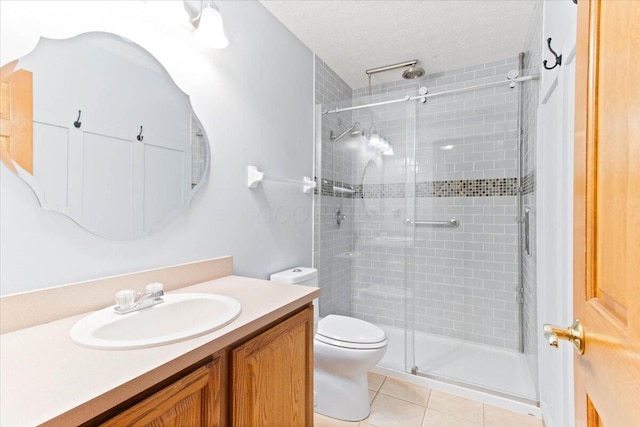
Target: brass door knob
<point>573,333</point>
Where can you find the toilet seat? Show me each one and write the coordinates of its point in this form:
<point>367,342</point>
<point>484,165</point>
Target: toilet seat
<point>351,345</point>
<point>347,332</point>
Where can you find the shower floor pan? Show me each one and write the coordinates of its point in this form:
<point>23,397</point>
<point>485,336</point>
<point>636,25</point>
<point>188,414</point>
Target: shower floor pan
<point>481,366</point>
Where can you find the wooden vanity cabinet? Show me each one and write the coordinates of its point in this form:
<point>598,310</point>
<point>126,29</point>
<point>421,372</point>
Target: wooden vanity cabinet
<point>272,376</point>
<point>191,401</point>
<point>266,380</point>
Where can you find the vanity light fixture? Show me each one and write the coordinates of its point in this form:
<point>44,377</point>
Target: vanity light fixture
<point>208,24</point>
<point>169,11</point>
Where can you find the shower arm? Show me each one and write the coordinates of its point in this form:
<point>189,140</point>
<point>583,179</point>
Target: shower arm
<point>391,67</point>
<point>335,138</point>
<point>371,71</point>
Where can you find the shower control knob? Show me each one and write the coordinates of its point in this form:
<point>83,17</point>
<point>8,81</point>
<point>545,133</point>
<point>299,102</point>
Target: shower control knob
<point>574,334</point>
<point>339,217</point>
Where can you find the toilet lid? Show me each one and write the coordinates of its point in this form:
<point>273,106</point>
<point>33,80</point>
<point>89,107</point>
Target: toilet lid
<point>348,329</point>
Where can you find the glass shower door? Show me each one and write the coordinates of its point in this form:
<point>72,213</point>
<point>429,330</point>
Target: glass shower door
<point>366,167</point>
<point>382,280</point>
<point>465,287</point>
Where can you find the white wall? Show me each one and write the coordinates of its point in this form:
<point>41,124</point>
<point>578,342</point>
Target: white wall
<point>255,101</point>
<point>554,189</point>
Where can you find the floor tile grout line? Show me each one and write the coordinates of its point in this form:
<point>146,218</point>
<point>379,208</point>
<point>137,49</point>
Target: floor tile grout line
<point>382,383</point>
<point>400,398</point>
<point>429,398</point>
<point>405,400</point>
<point>424,415</point>
<point>426,408</point>
<point>484,416</point>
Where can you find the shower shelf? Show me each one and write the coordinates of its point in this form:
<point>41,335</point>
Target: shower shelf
<point>348,255</point>
<point>255,177</point>
<point>343,190</point>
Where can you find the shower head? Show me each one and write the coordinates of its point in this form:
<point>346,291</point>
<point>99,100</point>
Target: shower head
<point>413,72</point>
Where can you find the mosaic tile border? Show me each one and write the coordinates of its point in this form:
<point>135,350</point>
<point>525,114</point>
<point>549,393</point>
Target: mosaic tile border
<point>468,188</point>
<point>454,188</point>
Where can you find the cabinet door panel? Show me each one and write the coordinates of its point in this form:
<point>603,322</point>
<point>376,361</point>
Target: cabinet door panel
<point>191,401</point>
<point>272,376</point>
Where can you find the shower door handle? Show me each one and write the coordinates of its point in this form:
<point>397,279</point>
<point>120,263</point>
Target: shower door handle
<point>574,334</point>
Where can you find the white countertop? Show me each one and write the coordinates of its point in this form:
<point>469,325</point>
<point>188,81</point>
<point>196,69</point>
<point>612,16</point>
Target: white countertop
<point>45,377</point>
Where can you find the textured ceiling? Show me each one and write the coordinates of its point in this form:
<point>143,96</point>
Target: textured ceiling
<point>352,36</point>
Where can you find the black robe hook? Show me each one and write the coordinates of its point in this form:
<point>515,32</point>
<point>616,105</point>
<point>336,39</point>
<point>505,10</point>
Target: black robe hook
<point>558,57</point>
<point>140,137</point>
<point>78,123</point>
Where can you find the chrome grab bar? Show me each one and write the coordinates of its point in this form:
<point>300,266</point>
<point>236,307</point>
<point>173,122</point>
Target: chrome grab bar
<point>453,223</point>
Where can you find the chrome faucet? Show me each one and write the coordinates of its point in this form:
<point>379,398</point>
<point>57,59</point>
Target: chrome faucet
<point>340,217</point>
<point>128,300</point>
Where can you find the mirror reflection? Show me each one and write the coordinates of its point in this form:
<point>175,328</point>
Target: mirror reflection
<point>98,129</point>
<point>372,179</point>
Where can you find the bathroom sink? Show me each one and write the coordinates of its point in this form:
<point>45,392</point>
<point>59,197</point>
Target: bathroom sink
<point>179,317</point>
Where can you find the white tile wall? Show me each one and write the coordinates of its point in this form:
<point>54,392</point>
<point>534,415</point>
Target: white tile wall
<point>465,278</point>
<point>334,273</point>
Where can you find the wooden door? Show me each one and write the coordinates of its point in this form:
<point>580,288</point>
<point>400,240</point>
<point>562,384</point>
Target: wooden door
<point>195,400</point>
<point>16,117</point>
<point>607,213</point>
<point>272,376</point>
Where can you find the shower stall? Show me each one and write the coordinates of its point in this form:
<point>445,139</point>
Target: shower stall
<point>422,209</point>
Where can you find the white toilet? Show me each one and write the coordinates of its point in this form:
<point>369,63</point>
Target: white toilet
<point>345,349</point>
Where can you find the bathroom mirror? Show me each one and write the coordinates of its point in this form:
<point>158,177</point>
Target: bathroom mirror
<point>97,128</point>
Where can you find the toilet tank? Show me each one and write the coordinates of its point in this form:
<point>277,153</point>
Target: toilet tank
<point>301,276</point>
<point>297,276</point>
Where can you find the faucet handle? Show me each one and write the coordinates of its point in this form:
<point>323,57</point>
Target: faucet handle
<point>125,298</point>
<point>153,287</point>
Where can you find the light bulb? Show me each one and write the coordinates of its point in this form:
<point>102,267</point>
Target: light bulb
<point>374,140</point>
<point>210,32</point>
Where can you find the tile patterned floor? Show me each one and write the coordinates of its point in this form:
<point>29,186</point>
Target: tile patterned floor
<point>396,403</point>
